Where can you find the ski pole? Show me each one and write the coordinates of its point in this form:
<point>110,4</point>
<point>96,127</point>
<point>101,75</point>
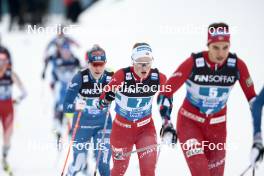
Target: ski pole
<point>246,170</point>
<point>102,139</point>
<point>72,139</point>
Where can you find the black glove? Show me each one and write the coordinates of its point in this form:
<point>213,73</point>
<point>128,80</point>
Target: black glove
<point>168,133</point>
<point>104,103</point>
<point>110,96</point>
<point>257,153</point>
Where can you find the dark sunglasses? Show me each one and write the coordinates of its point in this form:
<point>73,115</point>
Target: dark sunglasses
<point>97,64</point>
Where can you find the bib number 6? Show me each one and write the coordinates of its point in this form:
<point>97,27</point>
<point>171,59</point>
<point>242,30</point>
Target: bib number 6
<point>213,92</point>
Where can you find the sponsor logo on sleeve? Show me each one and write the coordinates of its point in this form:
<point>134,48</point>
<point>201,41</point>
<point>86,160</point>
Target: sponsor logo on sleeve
<point>249,82</point>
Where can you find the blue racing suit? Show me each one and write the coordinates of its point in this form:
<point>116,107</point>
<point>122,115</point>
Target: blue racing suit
<point>91,127</point>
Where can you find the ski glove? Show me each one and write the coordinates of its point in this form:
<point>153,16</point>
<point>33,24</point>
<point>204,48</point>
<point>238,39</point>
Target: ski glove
<point>104,103</point>
<point>257,150</point>
<point>168,133</point>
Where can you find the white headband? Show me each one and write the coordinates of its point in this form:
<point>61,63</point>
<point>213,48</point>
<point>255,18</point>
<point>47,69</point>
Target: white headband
<point>141,51</point>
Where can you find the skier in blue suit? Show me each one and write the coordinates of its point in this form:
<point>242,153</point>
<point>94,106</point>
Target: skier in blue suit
<point>64,66</point>
<point>83,95</point>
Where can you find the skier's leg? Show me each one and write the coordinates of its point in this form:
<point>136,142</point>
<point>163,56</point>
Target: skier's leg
<point>7,118</point>
<point>121,140</point>
<point>58,116</point>
<point>104,146</point>
<point>80,148</point>
<point>148,158</point>
<point>216,135</point>
<point>7,114</point>
<point>191,139</point>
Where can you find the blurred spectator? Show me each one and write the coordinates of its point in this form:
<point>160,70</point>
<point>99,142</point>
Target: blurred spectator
<point>73,9</point>
<point>14,11</point>
<point>36,10</point>
<point>26,11</point>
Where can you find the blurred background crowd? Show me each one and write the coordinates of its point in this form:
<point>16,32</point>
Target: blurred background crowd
<point>36,12</point>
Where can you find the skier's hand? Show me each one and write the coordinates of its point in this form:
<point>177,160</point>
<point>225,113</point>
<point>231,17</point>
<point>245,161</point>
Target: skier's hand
<point>168,133</point>
<point>257,153</point>
<point>110,96</point>
<point>257,150</point>
<point>80,104</point>
<point>104,103</point>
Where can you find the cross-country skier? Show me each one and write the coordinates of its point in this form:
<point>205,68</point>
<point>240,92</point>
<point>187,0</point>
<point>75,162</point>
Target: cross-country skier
<point>7,78</point>
<point>54,47</point>
<point>64,66</point>
<point>83,95</point>
<point>134,88</point>
<point>209,77</point>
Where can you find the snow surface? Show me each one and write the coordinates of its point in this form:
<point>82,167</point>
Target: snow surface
<point>116,25</point>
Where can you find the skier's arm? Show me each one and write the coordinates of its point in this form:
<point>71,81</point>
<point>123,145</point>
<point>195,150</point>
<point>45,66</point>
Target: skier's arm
<point>71,94</point>
<point>116,81</point>
<point>257,151</point>
<point>54,78</point>
<point>20,86</point>
<point>245,80</point>
<point>163,79</point>
<point>257,110</point>
<point>247,86</point>
<point>165,98</point>
<point>46,62</point>
<point>108,96</point>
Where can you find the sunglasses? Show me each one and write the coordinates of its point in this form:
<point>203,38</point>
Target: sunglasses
<point>143,64</point>
<point>97,64</point>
